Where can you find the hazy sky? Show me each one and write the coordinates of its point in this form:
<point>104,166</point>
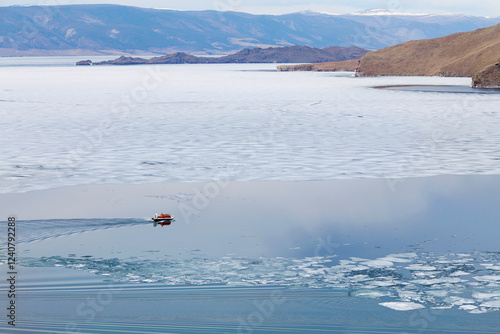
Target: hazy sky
<point>470,7</point>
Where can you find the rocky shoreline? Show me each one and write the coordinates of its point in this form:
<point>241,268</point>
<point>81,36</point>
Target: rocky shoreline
<point>339,66</point>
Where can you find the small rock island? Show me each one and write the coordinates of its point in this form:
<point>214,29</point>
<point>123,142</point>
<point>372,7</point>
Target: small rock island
<point>84,63</point>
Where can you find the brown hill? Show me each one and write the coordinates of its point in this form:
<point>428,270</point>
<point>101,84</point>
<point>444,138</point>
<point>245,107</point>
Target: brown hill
<point>457,55</point>
<point>346,65</point>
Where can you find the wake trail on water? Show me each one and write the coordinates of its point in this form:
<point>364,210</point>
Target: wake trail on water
<point>37,230</point>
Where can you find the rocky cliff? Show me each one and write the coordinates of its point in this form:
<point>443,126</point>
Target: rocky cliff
<point>487,78</point>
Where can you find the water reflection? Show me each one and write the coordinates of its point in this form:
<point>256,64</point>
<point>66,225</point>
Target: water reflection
<point>162,223</point>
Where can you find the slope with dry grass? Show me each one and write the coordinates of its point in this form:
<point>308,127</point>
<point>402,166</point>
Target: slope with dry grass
<point>457,55</point>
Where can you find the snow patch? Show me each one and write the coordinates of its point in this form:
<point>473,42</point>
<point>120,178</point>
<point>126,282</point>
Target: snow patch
<point>375,12</point>
<point>70,33</point>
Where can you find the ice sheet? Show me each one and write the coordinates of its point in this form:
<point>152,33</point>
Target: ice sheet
<point>90,125</point>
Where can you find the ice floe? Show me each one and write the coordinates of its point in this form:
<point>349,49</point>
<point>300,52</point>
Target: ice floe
<point>402,306</point>
<point>420,280</point>
<point>488,278</point>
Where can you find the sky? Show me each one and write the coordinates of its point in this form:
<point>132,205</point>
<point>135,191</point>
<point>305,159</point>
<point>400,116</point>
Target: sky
<point>489,8</point>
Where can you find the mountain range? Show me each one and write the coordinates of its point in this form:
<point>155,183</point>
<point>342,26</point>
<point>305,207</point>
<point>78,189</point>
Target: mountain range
<point>114,29</point>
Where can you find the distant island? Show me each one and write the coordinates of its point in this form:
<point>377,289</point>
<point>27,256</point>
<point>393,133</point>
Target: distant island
<point>470,54</point>
<point>293,54</point>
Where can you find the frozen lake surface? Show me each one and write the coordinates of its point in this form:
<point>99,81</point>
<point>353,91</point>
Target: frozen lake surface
<point>66,125</point>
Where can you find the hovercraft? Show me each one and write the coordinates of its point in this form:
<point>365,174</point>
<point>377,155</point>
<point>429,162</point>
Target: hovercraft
<point>163,218</point>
